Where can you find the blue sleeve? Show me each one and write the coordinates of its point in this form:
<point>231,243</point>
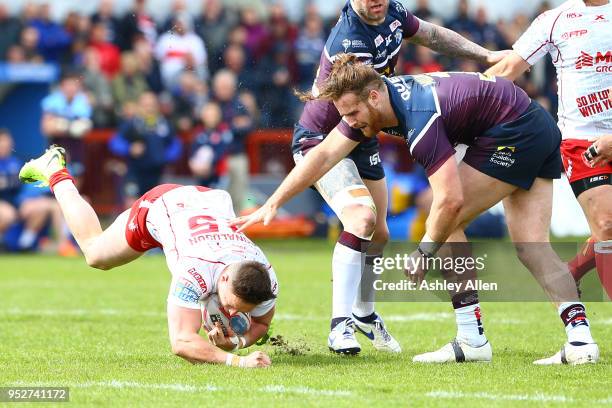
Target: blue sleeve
<point>173,150</point>
<point>118,145</point>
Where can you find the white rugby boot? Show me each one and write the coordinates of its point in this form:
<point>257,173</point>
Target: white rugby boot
<point>583,353</point>
<point>342,339</point>
<point>457,352</point>
<point>376,331</point>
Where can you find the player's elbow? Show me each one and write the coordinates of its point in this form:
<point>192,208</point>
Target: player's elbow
<point>179,348</point>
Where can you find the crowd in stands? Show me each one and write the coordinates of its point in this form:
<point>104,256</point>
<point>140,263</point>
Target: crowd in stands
<point>217,75</point>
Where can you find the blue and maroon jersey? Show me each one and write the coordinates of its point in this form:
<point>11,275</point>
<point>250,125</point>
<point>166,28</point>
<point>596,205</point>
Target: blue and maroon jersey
<point>440,110</point>
<point>376,45</point>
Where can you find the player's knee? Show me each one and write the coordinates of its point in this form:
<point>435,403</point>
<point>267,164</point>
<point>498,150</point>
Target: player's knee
<point>359,220</point>
<point>96,261</point>
<point>381,236</point>
<point>604,227</point>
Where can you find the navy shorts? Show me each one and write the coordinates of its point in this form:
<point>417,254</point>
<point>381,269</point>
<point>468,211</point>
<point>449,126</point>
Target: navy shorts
<point>366,155</point>
<point>519,151</point>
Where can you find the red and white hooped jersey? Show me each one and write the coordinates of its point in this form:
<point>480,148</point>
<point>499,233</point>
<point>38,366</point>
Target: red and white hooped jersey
<point>192,227</point>
<point>579,40</point>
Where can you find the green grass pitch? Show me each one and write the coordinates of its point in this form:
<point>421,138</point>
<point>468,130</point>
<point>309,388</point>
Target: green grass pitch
<point>104,335</point>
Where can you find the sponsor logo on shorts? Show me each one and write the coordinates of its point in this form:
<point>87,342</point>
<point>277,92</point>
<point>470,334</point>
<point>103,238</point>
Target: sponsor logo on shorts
<point>595,179</point>
<point>375,159</point>
<point>570,168</point>
<point>503,156</point>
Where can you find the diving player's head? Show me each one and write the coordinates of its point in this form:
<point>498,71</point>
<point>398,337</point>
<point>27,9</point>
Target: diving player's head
<point>244,285</point>
<point>371,11</point>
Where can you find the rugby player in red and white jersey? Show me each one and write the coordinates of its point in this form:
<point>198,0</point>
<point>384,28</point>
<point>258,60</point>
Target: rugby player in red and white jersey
<point>578,37</point>
<point>205,257</point>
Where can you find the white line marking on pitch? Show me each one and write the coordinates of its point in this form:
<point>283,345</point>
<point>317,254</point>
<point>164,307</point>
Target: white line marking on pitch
<point>496,397</point>
<point>273,389</point>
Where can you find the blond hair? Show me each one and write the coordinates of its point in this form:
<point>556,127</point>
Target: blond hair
<point>348,75</point>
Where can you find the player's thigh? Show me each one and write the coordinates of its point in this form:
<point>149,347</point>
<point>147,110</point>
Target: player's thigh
<point>595,203</point>
<point>480,192</point>
<point>528,212</point>
<point>379,193</point>
<point>346,193</point>
<point>8,214</point>
<point>111,249</point>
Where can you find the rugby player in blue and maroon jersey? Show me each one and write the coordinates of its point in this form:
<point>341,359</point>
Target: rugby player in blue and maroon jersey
<point>513,155</point>
<point>373,31</point>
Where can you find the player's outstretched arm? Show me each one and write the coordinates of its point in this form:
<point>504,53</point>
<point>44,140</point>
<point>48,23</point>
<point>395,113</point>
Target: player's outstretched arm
<point>184,325</point>
<point>315,164</point>
<point>450,43</point>
<point>511,67</point>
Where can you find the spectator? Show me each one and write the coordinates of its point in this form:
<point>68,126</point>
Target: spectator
<point>487,34</point>
<point>422,10</point>
<point>98,91</point>
<point>104,15</point>
<point>136,23</point>
<point>462,23</point>
<point>281,32</point>
<point>189,98</point>
<point>278,104</point>
<point>179,7</point>
<point>66,118</point>
<point>149,143</point>
<point>130,84</point>
<point>256,31</point>
<point>10,29</point>
<point>31,206</point>
<point>213,26</point>
<point>208,150</point>
<point>236,115</point>
<point>108,53</point>
<point>148,65</point>
<point>424,61</point>
<point>181,50</point>
<point>27,50</point>
<point>309,46</point>
<point>53,40</point>
<point>80,31</point>
<point>234,59</point>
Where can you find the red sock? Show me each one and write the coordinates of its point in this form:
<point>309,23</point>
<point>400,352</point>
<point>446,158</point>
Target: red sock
<point>603,257</point>
<point>58,176</point>
<point>584,260</point>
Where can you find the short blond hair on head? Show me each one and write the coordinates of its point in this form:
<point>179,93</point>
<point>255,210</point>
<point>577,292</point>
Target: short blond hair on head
<point>348,75</point>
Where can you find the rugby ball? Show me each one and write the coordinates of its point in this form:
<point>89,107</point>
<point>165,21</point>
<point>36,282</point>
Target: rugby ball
<point>213,312</point>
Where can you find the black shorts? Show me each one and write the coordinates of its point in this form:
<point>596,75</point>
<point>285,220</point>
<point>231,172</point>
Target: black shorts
<point>366,155</point>
<point>520,151</point>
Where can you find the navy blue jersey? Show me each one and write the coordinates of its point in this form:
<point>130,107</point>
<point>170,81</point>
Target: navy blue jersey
<point>378,45</point>
<point>440,110</point>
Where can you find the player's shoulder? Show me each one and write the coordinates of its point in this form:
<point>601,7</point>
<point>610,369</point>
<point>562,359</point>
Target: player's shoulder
<point>550,17</point>
<point>349,36</point>
<point>397,10</point>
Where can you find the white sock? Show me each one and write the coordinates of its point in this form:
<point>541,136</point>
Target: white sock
<point>346,273</point>
<point>469,325</point>
<point>573,315</point>
<point>27,238</point>
<point>364,302</point>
